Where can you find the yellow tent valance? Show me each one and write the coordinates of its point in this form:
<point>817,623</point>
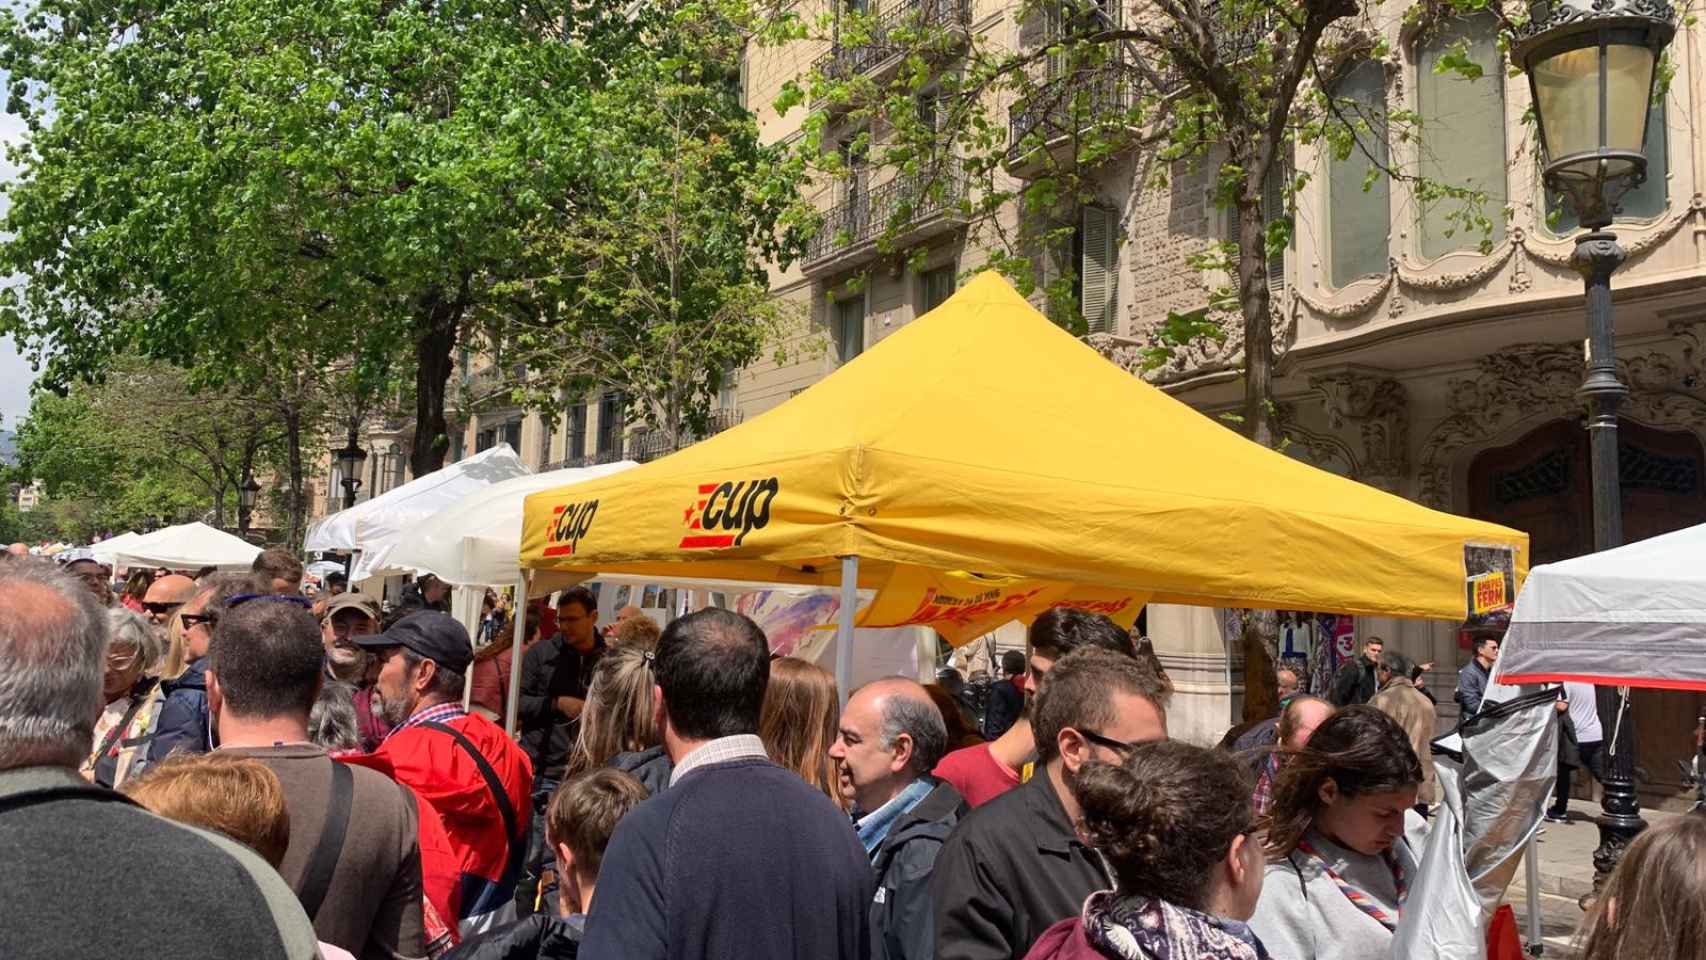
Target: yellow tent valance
<point>982,438</point>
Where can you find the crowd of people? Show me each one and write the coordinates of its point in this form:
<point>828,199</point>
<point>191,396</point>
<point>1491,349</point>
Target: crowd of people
<point>215,765</point>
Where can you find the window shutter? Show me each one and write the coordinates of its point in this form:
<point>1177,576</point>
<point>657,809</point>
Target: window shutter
<point>1273,206</point>
<point>1096,270</point>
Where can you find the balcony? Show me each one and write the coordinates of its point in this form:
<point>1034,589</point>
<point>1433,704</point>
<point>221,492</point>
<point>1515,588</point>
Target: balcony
<point>905,210</point>
<point>1061,112</point>
<point>892,33</point>
<point>652,444</point>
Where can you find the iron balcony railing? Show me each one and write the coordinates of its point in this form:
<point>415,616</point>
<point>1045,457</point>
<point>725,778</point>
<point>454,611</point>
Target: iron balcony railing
<point>905,200</point>
<point>1068,106</point>
<point>653,444</point>
<point>846,60</point>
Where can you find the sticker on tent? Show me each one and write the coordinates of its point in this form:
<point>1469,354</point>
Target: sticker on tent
<point>1490,586</point>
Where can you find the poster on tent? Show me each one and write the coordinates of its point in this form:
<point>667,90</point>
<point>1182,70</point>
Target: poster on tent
<point>789,618</point>
<point>1489,586</point>
<point>964,606</point>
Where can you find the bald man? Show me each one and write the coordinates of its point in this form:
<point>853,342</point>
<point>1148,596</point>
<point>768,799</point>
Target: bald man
<point>165,595</point>
<point>18,550</point>
<point>891,737</point>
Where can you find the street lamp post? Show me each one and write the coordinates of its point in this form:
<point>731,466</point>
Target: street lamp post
<point>247,491</point>
<point>349,459</point>
<point>1591,66</point>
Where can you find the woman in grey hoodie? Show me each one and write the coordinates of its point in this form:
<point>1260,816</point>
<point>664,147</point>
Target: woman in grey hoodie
<point>1343,843</point>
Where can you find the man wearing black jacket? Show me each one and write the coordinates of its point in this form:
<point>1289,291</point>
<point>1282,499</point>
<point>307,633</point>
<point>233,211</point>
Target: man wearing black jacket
<point>1356,681</point>
<point>555,675</point>
<point>1015,866</point>
<point>890,738</point>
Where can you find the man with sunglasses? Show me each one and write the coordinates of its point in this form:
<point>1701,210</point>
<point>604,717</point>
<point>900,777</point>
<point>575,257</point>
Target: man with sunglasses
<point>1015,866</point>
<point>166,596</point>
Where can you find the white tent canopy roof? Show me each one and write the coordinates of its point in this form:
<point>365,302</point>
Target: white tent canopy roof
<point>477,539</point>
<point>1632,616</point>
<point>107,549</point>
<point>366,524</point>
<point>188,546</point>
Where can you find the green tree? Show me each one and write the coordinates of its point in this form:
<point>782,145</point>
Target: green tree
<point>202,175</point>
<point>657,288</point>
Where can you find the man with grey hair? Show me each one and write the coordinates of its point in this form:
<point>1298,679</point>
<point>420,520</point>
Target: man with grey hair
<point>891,736</point>
<point>1399,699</point>
<point>60,832</point>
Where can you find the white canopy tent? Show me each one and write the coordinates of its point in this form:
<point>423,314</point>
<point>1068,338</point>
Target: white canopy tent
<point>108,549</point>
<point>372,525</point>
<point>187,546</point>
<point>1630,617</point>
<point>476,540</point>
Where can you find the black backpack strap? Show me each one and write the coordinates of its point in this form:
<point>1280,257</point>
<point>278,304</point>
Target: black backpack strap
<point>517,843</point>
<point>317,876</point>
<point>30,798</point>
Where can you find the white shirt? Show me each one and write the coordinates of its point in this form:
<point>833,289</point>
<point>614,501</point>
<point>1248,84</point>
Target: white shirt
<point>1584,712</point>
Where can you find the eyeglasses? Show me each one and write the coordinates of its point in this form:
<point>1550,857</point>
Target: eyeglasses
<point>1120,747</point>
<point>295,598</point>
<point>192,620</point>
<point>122,656</point>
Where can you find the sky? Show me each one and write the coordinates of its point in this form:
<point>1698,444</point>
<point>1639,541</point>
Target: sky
<point>15,373</point>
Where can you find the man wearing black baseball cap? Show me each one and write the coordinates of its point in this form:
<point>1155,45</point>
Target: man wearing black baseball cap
<point>468,774</point>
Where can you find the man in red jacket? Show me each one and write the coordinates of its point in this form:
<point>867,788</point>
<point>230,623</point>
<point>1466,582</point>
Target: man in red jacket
<point>469,776</point>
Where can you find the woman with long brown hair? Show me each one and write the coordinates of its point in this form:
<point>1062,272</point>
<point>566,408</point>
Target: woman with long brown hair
<point>1339,862</point>
<point>801,714</point>
<point>1654,905</point>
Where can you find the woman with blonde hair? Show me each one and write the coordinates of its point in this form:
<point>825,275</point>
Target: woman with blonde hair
<point>802,712</point>
<point>1654,905</point>
<point>619,725</point>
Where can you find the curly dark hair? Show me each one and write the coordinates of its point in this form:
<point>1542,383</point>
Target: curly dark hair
<point>1360,749</point>
<point>1165,817</point>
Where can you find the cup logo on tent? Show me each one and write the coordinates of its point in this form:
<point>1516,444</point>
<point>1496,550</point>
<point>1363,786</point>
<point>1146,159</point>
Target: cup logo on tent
<point>570,523</point>
<point>733,510</point>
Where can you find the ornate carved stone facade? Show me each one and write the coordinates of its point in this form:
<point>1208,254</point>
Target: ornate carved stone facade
<point>1378,408</point>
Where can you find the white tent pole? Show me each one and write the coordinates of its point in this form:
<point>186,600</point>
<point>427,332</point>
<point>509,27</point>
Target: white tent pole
<point>844,635</point>
<point>1531,864</point>
<point>514,701</point>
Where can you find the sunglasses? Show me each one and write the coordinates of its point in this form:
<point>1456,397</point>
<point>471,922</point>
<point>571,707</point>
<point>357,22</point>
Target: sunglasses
<point>159,608</point>
<point>1120,747</point>
<point>192,620</point>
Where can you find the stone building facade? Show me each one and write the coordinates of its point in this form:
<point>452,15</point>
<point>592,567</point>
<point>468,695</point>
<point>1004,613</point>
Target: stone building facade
<point>1410,358</point>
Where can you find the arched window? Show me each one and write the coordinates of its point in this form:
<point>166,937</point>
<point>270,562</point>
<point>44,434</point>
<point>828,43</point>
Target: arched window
<point>1645,202</point>
<point>1463,130</point>
<point>1359,221</point>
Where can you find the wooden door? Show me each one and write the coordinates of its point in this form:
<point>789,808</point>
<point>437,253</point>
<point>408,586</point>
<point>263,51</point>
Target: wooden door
<point>1543,484</point>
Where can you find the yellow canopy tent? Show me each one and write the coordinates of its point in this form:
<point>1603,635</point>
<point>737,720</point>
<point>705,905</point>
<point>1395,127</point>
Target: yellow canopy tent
<point>981,464</point>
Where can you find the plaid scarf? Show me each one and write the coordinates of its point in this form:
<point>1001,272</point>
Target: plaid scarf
<point>1141,928</point>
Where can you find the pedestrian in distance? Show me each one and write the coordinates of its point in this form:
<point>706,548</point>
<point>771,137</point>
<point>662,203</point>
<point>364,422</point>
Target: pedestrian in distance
<point>1015,866</point>
<point>1650,908</point>
<point>1578,747</point>
<point>354,852</point>
<point>1343,841</point>
<point>891,735</point>
<point>1187,864</point>
<point>1006,696</point>
<point>982,773</point>
<point>801,707</point>
<point>1356,681</point>
<point>1399,699</point>
<point>277,570</point>
<point>89,874</point>
<point>739,858</point>
<point>1297,722</point>
<point>1472,680</point>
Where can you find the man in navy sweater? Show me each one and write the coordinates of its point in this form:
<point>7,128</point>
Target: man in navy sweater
<point>739,858</point>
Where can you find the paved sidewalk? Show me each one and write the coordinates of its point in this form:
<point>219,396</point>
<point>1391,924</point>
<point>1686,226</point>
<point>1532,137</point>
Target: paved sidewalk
<point>1566,874</point>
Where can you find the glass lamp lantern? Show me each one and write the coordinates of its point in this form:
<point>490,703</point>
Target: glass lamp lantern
<point>1591,65</point>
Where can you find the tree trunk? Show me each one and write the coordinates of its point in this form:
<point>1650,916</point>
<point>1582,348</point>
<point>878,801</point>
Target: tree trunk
<point>435,342</point>
<point>1261,627</point>
<point>296,513</point>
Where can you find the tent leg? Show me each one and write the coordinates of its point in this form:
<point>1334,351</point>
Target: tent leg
<point>844,635</point>
<point>513,702</point>
<point>1531,864</point>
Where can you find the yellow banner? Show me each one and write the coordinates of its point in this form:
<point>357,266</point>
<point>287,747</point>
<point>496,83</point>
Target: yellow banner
<point>962,607</point>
